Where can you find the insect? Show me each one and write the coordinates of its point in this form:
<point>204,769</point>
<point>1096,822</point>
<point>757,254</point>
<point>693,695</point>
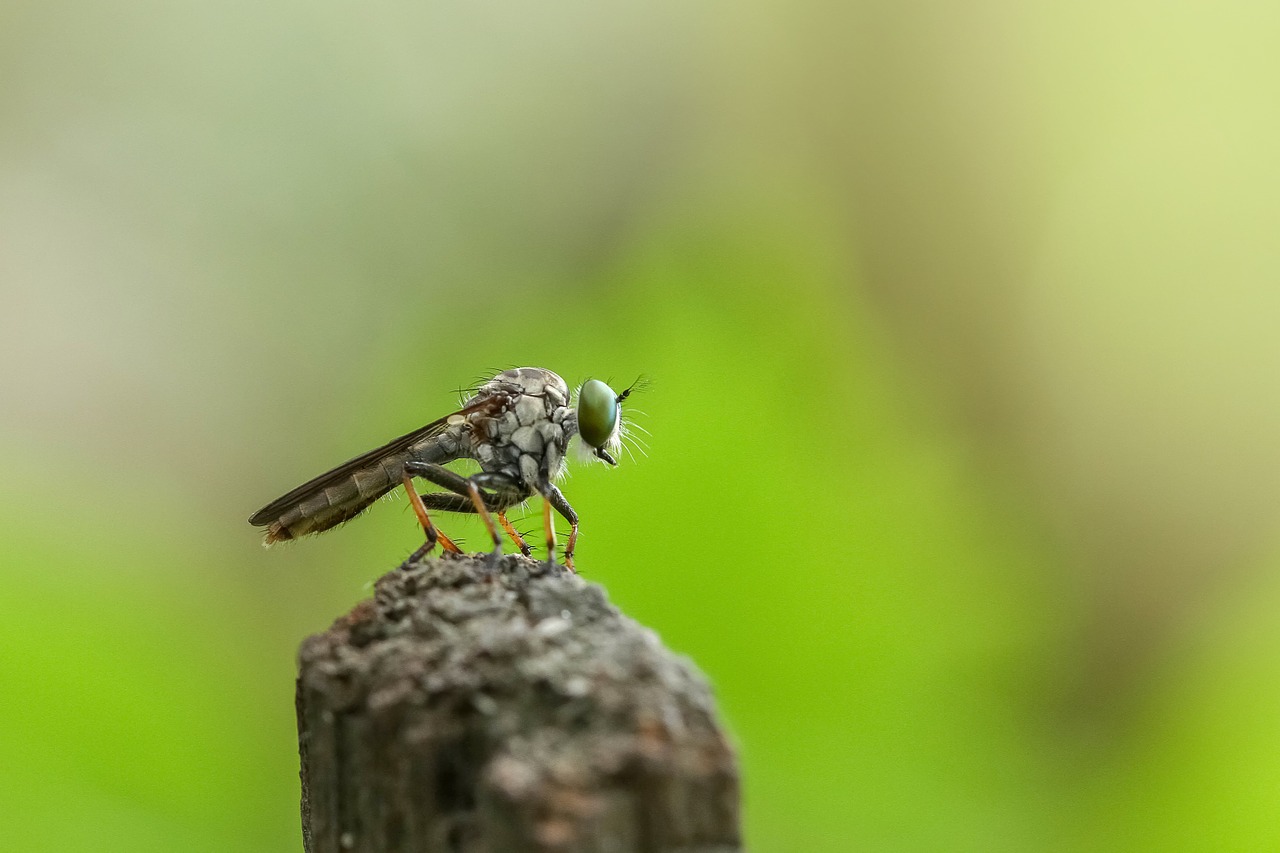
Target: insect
<point>518,426</point>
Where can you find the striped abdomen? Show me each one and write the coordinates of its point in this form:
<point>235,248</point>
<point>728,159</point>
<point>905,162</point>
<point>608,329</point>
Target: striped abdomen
<point>346,491</point>
<point>330,505</point>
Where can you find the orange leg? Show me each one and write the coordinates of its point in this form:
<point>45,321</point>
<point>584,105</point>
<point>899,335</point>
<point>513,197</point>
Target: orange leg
<point>515,537</point>
<point>432,532</point>
<point>483,511</point>
<point>568,548</point>
<point>549,523</point>
<point>553,498</point>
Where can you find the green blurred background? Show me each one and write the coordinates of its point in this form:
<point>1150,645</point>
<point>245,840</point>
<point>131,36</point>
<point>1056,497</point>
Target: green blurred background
<point>963,472</point>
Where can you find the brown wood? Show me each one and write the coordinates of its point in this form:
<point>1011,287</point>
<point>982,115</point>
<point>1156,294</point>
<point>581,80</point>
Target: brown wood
<point>481,707</point>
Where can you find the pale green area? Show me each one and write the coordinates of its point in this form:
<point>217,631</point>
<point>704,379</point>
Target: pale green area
<point>962,470</point>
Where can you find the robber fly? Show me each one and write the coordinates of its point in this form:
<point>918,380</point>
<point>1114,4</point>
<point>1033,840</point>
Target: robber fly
<point>518,426</point>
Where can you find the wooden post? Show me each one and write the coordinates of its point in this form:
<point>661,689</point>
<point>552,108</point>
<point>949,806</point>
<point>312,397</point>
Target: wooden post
<point>474,707</point>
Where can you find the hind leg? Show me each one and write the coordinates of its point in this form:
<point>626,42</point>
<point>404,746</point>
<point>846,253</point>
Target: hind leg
<point>508,492</point>
<point>451,502</point>
<point>432,533</point>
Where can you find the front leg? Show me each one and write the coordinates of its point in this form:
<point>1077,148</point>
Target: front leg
<point>554,498</point>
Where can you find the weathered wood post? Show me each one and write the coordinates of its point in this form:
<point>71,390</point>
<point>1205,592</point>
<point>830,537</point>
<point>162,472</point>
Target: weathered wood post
<point>484,708</point>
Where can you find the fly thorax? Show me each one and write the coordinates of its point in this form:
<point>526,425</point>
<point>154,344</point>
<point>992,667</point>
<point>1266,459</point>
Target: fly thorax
<point>529,439</point>
<point>531,470</point>
<point>553,433</point>
<point>529,410</point>
<point>451,442</point>
<point>503,427</point>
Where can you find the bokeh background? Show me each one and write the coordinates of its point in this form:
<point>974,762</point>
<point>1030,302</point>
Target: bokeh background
<point>962,323</point>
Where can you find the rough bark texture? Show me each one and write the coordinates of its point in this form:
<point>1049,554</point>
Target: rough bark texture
<point>483,708</point>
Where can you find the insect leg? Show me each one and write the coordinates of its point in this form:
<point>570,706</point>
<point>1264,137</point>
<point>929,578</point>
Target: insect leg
<point>466,486</point>
<point>555,498</point>
<point>446,502</point>
<point>428,528</point>
<point>474,491</point>
<point>515,537</point>
<point>509,493</point>
<point>549,525</point>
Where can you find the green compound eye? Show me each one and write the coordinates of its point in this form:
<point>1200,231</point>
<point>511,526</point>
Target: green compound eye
<point>597,413</point>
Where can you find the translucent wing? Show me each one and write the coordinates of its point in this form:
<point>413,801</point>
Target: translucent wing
<point>345,491</point>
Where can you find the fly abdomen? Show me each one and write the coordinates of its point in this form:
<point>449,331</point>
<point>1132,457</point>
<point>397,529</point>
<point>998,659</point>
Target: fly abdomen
<point>328,504</point>
<point>344,492</point>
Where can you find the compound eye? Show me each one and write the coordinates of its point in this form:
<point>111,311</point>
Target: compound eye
<point>597,413</point>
